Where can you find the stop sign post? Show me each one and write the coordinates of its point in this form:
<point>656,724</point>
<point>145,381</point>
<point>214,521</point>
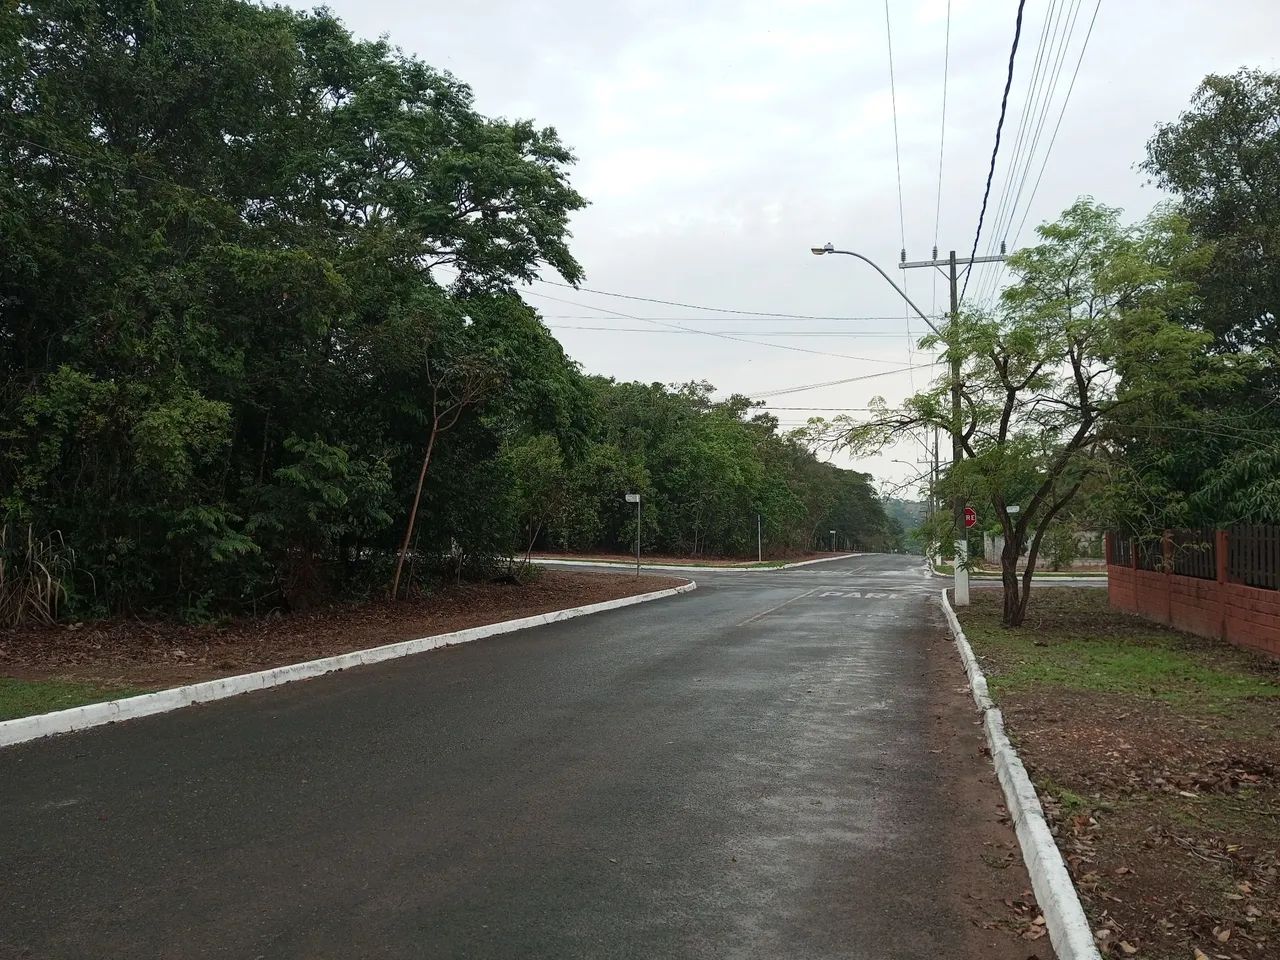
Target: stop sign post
<point>970,517</point>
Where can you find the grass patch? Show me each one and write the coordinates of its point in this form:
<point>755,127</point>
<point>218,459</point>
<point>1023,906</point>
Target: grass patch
<point>1044,574</point>
<point>1070,801</point>
<point>1073,640</point>
<point>25,698</point>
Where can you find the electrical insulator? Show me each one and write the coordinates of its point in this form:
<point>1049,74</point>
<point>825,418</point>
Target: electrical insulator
<point>935,251</point>
<point>902,255</point>
<point>1003,249</point>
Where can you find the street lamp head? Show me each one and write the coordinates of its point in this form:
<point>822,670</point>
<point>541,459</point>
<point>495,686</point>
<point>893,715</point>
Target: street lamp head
<point>828,247</point>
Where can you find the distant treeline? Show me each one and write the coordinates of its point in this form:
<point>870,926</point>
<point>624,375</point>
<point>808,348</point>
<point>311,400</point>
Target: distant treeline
<point>255,294</point>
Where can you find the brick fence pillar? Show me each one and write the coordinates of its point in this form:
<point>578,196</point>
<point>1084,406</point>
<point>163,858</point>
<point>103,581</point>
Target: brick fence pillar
<point>1221,545</point>
<point>1166,557</point>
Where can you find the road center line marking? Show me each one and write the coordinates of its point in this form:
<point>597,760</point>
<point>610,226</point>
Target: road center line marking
<point>765,613</point>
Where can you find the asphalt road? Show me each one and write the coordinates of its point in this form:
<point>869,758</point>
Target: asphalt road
<point>749,770</point>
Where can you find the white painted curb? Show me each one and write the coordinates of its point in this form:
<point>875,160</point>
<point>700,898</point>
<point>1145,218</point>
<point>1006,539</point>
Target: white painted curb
<point>553,562</point>
<point>1069,930</point>
<point>95,714</point>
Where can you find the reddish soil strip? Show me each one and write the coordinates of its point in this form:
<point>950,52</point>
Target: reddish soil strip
<point>139,653</point>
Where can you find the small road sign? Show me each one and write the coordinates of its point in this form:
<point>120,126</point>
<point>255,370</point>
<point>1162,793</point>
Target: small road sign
<point>970,517</point>
<point>633,498</point>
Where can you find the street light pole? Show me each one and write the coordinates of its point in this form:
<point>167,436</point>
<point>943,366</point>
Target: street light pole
<point>635,498</point>
<point>957,444</point>
<point>637,536</point>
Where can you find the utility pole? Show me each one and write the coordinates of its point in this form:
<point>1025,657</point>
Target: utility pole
<point>957,446</point>
<point>933,478</point>
<point>759,542</point>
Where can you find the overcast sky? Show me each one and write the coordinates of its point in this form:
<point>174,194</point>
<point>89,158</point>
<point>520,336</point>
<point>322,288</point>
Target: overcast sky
<point>718,141</point>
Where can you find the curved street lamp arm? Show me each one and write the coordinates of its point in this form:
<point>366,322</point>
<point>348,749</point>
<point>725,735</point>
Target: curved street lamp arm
<point>902,293</point>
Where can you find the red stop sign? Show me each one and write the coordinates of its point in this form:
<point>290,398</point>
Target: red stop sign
<point>970,516</point>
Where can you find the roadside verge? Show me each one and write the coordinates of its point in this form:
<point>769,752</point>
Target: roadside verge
<point>23,729</point>
<point>1069,930</point>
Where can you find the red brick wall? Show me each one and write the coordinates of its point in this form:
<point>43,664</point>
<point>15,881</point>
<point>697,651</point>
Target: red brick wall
<point>1253,617</point>
<point>1246,616</point>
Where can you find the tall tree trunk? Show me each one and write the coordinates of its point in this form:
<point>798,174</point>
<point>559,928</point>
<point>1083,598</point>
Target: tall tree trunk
<point>413,510</point>
<point>532,540</point>
<point>1021,612</point>
<point>1009,577</point>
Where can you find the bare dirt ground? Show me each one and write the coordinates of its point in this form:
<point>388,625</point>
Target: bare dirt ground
<point>1157,759</point>
<point>148,654</point>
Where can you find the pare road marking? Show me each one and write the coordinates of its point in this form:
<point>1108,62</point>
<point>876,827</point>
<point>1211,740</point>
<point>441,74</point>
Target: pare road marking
<point>857,595</point>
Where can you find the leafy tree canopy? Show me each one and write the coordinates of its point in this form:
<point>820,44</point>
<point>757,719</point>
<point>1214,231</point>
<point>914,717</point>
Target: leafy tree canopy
<point>1080,347</point>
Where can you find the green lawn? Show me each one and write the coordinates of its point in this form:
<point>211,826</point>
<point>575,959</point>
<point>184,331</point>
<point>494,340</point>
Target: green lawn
<point>24,698</point>
<point>989,573</point>
<point>1072,640</point>
<point>1154,753</point>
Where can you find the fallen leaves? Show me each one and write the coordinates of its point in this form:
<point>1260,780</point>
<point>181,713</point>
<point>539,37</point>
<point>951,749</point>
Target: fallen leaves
<point>1169,827</point>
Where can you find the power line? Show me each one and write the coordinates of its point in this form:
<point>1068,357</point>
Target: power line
<point>942,141</point>
<point>995,151</point>
<point>826,409</point>
<point>897,153</point>
<point>1058,126</point>
<point>1061,62</point>
<point>687,306</point>
<point>883,334</point>
<point>580,316</point>
<point>712,333</point>
<point>1050,90</point>
<point>705,333</point>
<point>1015,155</point>
<point>897,160</point>
<point>834,383</point>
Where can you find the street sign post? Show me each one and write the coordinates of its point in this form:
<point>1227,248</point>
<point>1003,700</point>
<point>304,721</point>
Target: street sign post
<point>635,498</point>
<point>970,517</point>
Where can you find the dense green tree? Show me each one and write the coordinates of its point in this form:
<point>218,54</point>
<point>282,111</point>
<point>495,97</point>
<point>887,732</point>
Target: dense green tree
<point>1214,458</point>
<point>221,234</point>
<point>1080,349</point>
<point>705,470</point>
<point>259,343</point>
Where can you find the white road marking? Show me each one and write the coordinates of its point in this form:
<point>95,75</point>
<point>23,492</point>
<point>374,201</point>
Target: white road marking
<point>857,595</point>
<point>765,613</point>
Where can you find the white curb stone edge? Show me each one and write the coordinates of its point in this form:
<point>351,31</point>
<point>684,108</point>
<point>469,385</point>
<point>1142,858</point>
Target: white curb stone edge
<point>1069,930</point>
<point>552,562</point>
<point>23,729</point>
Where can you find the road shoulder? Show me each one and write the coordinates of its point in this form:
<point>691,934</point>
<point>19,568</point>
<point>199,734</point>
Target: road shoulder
<point>990,891</point>
<point>356,649</point>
